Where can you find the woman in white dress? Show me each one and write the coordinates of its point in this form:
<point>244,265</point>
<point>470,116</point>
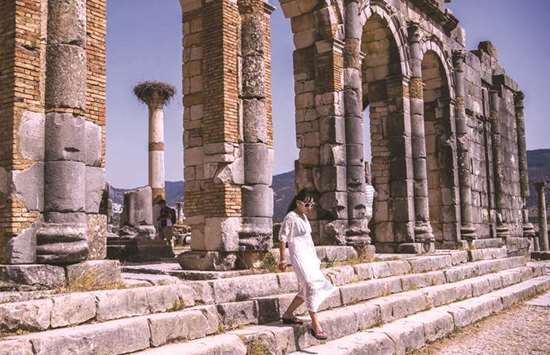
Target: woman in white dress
<point>314,288</point>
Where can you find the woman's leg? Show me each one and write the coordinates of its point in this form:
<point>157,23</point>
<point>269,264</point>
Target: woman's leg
<point>296,302</point>
<point>315,323</point>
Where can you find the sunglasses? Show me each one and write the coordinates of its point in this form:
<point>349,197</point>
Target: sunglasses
<point>308,204</point>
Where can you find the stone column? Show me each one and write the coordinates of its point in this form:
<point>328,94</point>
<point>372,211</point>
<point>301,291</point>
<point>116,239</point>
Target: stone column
<point>528,229</point>
<point>155,95</point>
<point>257,194</point>
<point>543,223</point>
<point>358,231</point>
<point>494,103</point>
<point>422,230</point>
<point>63,237</point>
<point>467,230</point>
<point>330,175</point>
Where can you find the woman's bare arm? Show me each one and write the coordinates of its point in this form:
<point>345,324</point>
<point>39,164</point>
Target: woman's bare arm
<point>282,259</point>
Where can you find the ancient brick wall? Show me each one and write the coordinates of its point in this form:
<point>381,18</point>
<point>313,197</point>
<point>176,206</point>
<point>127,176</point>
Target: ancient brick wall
<point>22,114</point>
<point>7,52</point>
<point>96,16</point>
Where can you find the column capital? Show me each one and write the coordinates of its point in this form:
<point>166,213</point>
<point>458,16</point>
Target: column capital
<point>459,58</point>
<point>413,30</point>
<point>519,97</point>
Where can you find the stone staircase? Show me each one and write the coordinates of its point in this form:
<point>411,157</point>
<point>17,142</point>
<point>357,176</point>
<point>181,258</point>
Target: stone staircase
<point>384,307</point>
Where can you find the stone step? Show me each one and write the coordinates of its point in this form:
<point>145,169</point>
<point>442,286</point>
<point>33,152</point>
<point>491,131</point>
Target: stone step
<point>224,344</point>
<point>381,297</point>
<point>117,336</point>
<point>395,337</point>
<point>121,336</point>
<point>65,310</point>
<point>230,290</point>
<point>413,332</point>
<point>57,311</point>
<point>487,253</point>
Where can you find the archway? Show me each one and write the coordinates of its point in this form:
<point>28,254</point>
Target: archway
<point>439,150</point>
<point>383,95</point>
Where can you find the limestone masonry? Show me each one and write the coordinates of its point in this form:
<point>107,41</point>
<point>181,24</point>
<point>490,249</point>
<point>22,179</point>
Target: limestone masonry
<point>447,130</point>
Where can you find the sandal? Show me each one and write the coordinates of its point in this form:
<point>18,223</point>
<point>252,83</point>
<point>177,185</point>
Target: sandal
<point>293,320</point>
<point>321,335</point>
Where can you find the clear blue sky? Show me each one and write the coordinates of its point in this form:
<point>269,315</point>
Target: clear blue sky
<point>144,43</point>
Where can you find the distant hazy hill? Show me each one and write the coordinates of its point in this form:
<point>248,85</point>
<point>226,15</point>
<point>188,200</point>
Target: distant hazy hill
<point>283,184</point>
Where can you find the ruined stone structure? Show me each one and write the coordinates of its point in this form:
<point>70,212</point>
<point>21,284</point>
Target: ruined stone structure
<point>52,118</point>
<point>447,128</point>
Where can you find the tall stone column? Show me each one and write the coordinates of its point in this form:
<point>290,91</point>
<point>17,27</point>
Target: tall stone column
<point>422,230</point>
<point>467,230</point>
<point>257,200</point>
<point>543,223</point>
<point>156,95</point>
<point>528,229</point>
<point>358,231</point>
<point>63,237</point>
<point>494,103</point>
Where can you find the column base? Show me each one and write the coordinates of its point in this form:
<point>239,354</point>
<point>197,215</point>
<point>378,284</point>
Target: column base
<point>416,248</point>
<point>423,233</point>
<point>468,232</point>
<point>503,231</point>
<point>61,243</point>
<point>529,230</point>
<point>88,275</point>
<point>358,234</point>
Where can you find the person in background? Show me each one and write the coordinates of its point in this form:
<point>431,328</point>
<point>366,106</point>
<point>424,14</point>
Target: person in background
<point>314,288</point>
<point>166,221</point>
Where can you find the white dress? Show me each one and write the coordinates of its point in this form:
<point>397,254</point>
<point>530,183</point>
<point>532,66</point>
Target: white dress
<point>314,288</point>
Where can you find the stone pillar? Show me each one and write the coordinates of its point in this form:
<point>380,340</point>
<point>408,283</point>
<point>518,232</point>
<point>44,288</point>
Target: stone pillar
<point>62,239</point>
<point>422,230</point>
<point>494,102</point>
<point>330,175</point>
<point>543,223</point>
<point>257,194</point>
<point>156,152</point>
<point>467,230</point>
<point>155,95</point>
<point>358,231</point>
<point>227,132</point>
<point>528,229</point>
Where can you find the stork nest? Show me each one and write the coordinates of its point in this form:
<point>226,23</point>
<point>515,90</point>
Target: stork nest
<point>154,92</point>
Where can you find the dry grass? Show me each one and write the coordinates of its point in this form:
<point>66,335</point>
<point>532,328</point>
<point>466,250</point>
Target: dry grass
<point>257,347</point>
<point>89,281</point>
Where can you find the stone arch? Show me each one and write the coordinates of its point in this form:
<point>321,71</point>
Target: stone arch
<point>435,47</point>
<point>440,146</point>
<point>318,32</point>
<point>384,71</point>
<point>387,14</point>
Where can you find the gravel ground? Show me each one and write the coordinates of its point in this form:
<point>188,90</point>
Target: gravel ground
<point>522,330</point>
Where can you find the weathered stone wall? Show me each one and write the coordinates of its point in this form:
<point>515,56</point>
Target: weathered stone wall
<point>490,105</point>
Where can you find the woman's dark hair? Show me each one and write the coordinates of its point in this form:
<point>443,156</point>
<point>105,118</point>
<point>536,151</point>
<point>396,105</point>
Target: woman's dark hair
<point>303,195</point>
